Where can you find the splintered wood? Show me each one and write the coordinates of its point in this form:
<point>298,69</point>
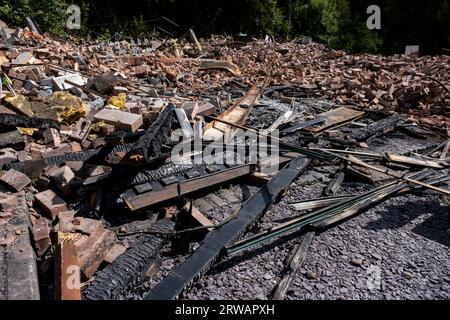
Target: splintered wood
<point>235,114</point>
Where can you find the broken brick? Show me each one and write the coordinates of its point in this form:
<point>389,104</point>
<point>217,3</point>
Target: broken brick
<point>94,249</point>
<point>51,135</point>
<point>114,252</point>
<point>62,176</point>
<point>206,109</point>
<point>50,203</point>
<point>67,272</point>
<point>41,235</point>
<point>15,179</point>
<point>120,119</point>
<point>86,225</point>
<point>8,201</point>
<point>191,109</point>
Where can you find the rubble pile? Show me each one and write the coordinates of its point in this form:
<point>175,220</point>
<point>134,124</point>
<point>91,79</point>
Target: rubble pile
<point>88,134</point>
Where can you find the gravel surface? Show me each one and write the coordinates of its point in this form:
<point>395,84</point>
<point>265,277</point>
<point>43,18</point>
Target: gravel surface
<point>402,246</point>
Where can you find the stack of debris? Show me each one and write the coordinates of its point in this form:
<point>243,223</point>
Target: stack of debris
<point>91,133</point>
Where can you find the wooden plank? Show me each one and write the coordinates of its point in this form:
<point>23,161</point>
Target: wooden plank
<point>335,184</point>
<point>394,174</point>
<point>281,120</point>
<point>294,263</point>
<point>335,117</point>
<point>445,151</point>
<point>318,203</point>
<point>135,202</point>
<point>199,216</point>
<point>194,40</point>
<point>236,114</point>
<point>411,161</point>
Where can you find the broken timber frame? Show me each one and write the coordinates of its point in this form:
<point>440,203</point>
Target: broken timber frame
<point>210,250</point>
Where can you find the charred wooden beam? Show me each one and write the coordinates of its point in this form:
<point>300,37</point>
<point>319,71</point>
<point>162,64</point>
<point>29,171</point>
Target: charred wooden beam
<point>177,185</point>
<point>91,155</point>
<point>27,122</point>
<point>378,128</point>
<point>18,268</point>
<point>165,170</point>
<point>302,125</point>
<point>330,215</point>
<point>294,263</point>
<point>130,267</point>
<point>334,184</point>
<point>149,145</point>
<point>210,250</point>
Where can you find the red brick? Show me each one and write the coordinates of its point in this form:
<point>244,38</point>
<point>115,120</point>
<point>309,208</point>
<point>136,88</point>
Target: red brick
<point>8,201</point>
<point>87,225</point>
<point>51,203</point>
<point>15,179</point>
<point>93,251</point>
<point>41,235</point>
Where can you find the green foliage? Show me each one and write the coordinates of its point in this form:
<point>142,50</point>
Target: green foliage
<point>105,35</point>
<point>340,24</point>
<point>49,14</point>
<point>264,17</point>
<point>336,24</point>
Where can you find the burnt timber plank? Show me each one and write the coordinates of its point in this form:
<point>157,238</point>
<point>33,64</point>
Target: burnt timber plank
<point>236,114</point>
<point>335,117</point>
<point>294,263</point>
<point>209,251</point>
<point>379,127</point>
<point>16,120</point>
<point>135,202</point>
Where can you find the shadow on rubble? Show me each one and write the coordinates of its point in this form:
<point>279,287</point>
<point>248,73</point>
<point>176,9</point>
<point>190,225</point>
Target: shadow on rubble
<point>435,228</point>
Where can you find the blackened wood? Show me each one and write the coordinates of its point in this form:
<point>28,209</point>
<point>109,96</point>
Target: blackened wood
<point>377,128</point>
<point>294,263</point>
<point>210,250</point>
